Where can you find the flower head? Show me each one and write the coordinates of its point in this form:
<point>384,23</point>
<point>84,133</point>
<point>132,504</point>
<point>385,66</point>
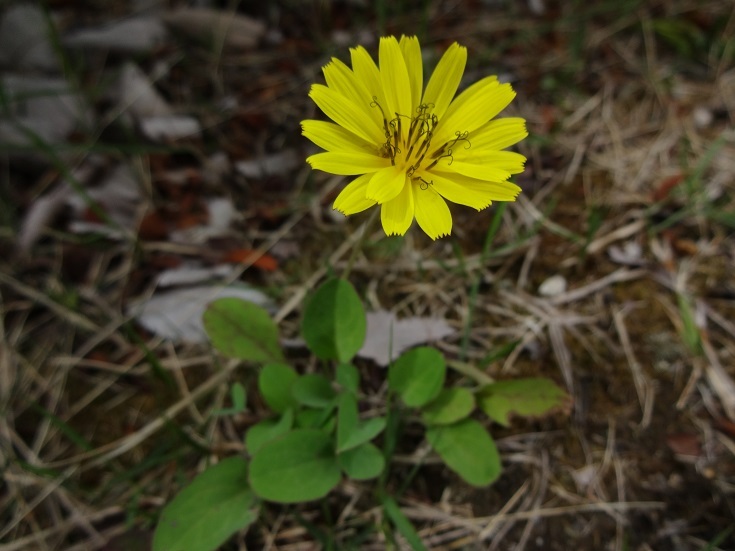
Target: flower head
<point>414,148</point>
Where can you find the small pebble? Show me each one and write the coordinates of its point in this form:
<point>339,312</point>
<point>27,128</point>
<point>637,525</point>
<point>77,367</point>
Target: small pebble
<point>553,286</point>
<point>703,117</point>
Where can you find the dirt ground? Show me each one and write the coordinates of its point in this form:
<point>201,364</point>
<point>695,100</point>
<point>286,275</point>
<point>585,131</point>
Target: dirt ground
<point>171,148</point>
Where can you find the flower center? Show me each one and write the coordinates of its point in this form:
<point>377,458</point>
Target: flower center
<point>411,148</point>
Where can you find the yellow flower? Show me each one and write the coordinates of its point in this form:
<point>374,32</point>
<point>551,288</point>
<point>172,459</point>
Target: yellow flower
<point>414,148</point>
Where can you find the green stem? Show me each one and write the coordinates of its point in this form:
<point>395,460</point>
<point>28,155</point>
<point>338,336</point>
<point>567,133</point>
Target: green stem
<point>474,291</point>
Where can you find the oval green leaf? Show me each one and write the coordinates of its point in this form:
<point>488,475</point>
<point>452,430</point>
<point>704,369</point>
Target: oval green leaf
<point>323,419</point>
<point>468,450</point>
<point>417,375</point>
<point>363,462</point>
<point>274,382</point>
<point>267,430</point>
<point>313,390</point>
<point>351,432</point>
<point>334,321</point>
<point>299,466</point>
<point>241,329</point>
<point>348,377</point>
<point>452,405</point>
<point>206,513</point>
<point>525,397</point>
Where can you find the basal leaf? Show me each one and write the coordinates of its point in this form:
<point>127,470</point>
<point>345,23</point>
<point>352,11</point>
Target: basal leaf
<point>467,449</point>
<point>299,466</point>
<point>241,329</point>
<point>417,376</point>
<point>524,397</point>
<point>206,513</point>
<point>323,419</point>
<point>348,377</point>
<point>364,432</point>
<point>274,382</point>
<point>452,405</point>
<point>313,390</point>
<point>351,431</point>
<point>334,321</point>
<point>267,430</point>
<point>363,462</point>
<point>347,418</point>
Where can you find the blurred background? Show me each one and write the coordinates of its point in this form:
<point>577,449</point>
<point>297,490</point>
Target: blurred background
<point>151,160</point>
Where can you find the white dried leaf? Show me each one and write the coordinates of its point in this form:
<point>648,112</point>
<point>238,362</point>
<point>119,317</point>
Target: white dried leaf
<point>119,195</point>
<point>630,254</point>
<point>191,273</point>
<point>269,165</point>
<point>387,337</point>
<point>137,96</point>
<point>177,315</point>
<point>136,35</point>
<point>216,167</point>
<point>169,127</point>
<point>222,213</point>
<point>24,40</point>
<point>39,215</point>
<point>44,209</point>
<point>46,107</point>
<point>234,30</point>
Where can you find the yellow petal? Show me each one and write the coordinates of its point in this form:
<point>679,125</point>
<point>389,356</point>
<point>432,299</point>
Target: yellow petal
<point>480,171</point>
<point>471,192</point>
<point>397,214</point>
<point>499,134</point>
<point>333,137</point>
<point>351,199</point>
<point>508,162</point>
<point>432,212</point>
<point>340,78</point>
<point>411,51</point>
<point>445,79</point>
<point>345,113</point>
<point>473,108</point>
<point>347,163</point>
<point>386,184</point>
<point>394,78</point>
<point>367,72</point>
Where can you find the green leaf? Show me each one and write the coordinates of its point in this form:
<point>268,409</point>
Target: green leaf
<point>689,331</point>
<point>275,382</point>
<point>241,329</point>
<point>206,513</point>
<point>299,466</point>
<point>351,432</point>
<point>499,353</point>
<point>452,405</point>
<point>525,397</point>
<point>363,462</point>
<point>468,450</point>
<point>322,419</point>
<point>347,418</point>
<point>348,377</point>
<point>238,397</point>
<point>313,390</point>
<point>267,430</point>
<point>334,322</point>
<point>402,524</point>
<point>417,376</point>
